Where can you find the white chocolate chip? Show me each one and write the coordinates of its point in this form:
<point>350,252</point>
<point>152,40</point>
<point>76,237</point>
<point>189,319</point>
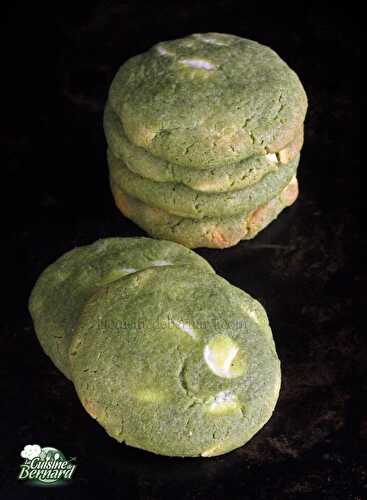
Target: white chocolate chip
<point>198,63</point>
<point>220,355</point>
<point>253,316</point>
<point>163,51</point>
<point>272,157</point>
<point>212,451</point>
<point>128,270</point>
<point>185,328</point>
<point>224,402</point>
<point>211,40</point>
<point>159,263</point>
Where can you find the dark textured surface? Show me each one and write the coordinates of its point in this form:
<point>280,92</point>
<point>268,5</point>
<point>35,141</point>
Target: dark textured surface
<point>307,268</point>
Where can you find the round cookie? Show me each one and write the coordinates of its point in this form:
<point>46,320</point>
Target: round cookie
<point>221,179</point>
<point>208,232</point>
<point>180,200</point>
<point>64,286</point>
<point>208,100</point>
<point>177,362</point>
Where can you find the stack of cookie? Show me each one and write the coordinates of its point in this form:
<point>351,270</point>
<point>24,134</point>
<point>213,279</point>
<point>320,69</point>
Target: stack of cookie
<point>204,135</point>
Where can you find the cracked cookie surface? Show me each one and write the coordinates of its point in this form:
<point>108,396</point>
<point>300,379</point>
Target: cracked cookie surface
<point>176,361</point>
<point>221,179</point>
<point>208,100</point>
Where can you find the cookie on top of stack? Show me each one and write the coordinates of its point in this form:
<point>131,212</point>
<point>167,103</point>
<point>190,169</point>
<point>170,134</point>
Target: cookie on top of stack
<point>204,136</point>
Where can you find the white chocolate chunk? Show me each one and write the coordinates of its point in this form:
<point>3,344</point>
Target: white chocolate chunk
<point>211,452</point>
<point>116,274</point>
<point>253,316</point>
<point>185,328</point>
<point>198,63</point>
<point>272,157</point>
<point>221,356</point>
<point>211,40</point>
<point>163,51</point>
<point>224,402</point>
<point>161,263</point>
<point>128,270</point>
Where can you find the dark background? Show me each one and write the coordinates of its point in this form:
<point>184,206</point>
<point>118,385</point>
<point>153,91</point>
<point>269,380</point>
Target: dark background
<point>307,268</point>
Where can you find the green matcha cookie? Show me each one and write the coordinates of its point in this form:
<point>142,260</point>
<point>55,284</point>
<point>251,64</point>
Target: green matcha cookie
<point>63,288</point>
<point>230,178</point>
<point>176,361</point>
<point>208,232</point>
<point>208,100</point>
<point>180,200</point>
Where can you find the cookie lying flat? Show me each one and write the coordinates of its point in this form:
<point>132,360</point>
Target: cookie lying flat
<point>180,200</point>
<point>63,288</point>
<point>176,361</point>
<point>230,178</point>
<point>208,100</point>
<point>208,232</point>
